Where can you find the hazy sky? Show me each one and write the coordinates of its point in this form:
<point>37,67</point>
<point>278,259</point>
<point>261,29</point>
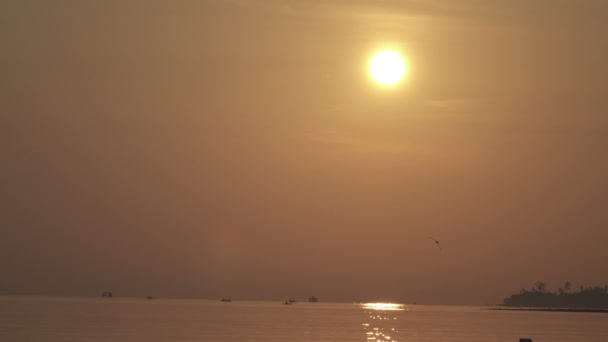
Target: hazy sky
<point>239,148</point>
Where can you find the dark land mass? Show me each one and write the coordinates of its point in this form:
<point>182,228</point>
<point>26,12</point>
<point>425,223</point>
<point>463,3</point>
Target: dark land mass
<point>587,299</point>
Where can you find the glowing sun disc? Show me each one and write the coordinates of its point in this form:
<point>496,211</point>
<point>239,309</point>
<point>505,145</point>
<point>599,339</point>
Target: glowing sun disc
<point>387,67</point>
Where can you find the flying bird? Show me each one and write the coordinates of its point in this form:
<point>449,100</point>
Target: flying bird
<point>437,242</point>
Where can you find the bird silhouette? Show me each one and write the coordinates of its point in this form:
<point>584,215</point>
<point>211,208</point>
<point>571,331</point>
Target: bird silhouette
<point>437,242</point>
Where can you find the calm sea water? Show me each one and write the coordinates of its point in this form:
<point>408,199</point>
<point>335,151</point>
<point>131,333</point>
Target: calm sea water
<point>139,320</point>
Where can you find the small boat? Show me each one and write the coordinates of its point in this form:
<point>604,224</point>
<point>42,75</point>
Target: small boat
<point>106,294</point>
<point>313,299</point>
<point>225,300</point>
<point>149,297</point>
<point>287,302</point>
<point>291,300</point>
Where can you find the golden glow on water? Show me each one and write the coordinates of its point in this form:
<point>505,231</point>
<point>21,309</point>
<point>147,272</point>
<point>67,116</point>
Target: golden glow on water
<point>383,306</point>
<point>383,317</point>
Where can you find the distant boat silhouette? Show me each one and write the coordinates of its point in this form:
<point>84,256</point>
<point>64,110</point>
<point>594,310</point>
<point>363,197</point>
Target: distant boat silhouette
<point>106,294</point>
<point>291,300</point>
<point>287,302</point>
<point>313,299</point>
<point>149,297</point>
<point>225,300</point>
<point>437,242</point>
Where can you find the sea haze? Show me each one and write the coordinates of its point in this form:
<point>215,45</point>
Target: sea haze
<point>53,319</point>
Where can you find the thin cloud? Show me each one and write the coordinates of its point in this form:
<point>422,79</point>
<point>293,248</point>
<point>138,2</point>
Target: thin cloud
<point>351,8</point>
<point>494,13</point>
<point>455,103</point>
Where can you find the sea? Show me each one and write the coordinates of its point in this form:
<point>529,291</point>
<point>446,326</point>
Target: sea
<point>54,319</point>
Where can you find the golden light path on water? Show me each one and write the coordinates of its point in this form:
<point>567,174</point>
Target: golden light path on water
<point>383,306</point>
<point>382,317</point>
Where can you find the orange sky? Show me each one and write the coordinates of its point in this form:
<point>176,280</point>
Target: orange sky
<point>238,148</point>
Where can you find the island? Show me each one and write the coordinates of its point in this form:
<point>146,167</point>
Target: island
<point>586,299</point>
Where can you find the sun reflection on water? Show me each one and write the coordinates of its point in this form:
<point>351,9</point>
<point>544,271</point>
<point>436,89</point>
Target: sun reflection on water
<point>383,306</point>
<point>379,329</point>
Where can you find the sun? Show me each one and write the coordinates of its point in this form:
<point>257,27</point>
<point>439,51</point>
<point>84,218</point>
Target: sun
<point>387,67</point>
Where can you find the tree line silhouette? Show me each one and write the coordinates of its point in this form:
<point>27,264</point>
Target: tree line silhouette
<point>564,297</point>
